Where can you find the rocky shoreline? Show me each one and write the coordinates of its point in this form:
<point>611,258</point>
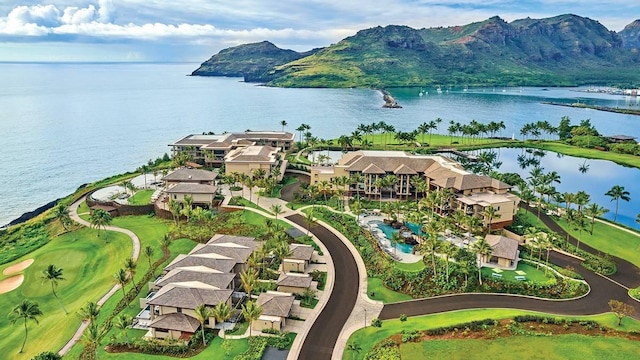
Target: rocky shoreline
<point>389,101</point>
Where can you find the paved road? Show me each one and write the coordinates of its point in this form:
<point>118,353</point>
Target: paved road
<point>287,192</point>
<point>602,290</point>
<point>627,274</point>
<point>324,332</point>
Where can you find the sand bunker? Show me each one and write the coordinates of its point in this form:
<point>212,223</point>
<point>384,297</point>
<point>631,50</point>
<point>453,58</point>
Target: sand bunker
<point>17,267</point>
<point>11,283</point>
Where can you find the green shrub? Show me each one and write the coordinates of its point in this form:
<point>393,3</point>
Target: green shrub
<point>257,345</point>
<point>409,335</point>
<point>403,317</point>
<point>635,293</point>
<point>47,355</point>
<point>376,322</point>
<point>385,350</point>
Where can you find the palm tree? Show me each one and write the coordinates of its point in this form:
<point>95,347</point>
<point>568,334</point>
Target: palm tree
<point>379,183</point>
<point>356,208</point>
<point>251,312</point>
<point>354,348</point>
<point>249,280</point>
<point>61,213</point>
<point>638,218</point>
<point>122,279</point>
<point>130,267</point>
<point>448,249</point>
<point>396,239</point>
<point>92,336</point>
<point>100,219</point>
<point>203,313</point>
<point>53,274</point>
<point>594,211</point>
<point>490,213</point>
<point>390,182</point>
<point>482,249</point>
<point>174,208</point>
<point>283,123</point>
<point>276,209</point>
<point>281,251</point>
<point>616,193</point>
<point>432,244</point>
<point>222,312</point>
<point>148,252</point>
<point>309,221</point>
<point>122,322</point>
<point>89,312</point>
<point>165,241</point>
<point>26,310</point>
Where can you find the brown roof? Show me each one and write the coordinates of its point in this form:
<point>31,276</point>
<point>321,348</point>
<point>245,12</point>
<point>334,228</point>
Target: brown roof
<point>249,242</point>
<point>239,253</point>
<point>372,169</point>
<point>191,175</point>
<point>189,297</point>
<point>176,321</point>
<point>275,304</point>
<point>404,170</point>
<point>224,265</point>
<point>252,154</point>
<point>294,280</point>
<point>300,252</point>
<point>188,188</point>
<point>503,247</point>
<point>221,281</point>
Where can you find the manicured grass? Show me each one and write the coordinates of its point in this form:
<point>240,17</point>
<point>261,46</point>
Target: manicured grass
<point>533,275</point>
<point>436,140</point>
<point>83,208</point>
<point>610,240</point>
<point>252,218</point>
<point>532,218</point>
<point>240,201</point>
<point>571,346</point>
<point>381,293</point>
<point>214,351</point>
<point>142,197</point>
<point>370,336</point>
<point>88,264</point>
<point>416,266</point>
<point>288,180</point>
<point>623,159</point>
<point>242,328</point>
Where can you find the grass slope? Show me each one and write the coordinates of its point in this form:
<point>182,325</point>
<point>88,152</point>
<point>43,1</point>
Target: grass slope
<point>88,265</point>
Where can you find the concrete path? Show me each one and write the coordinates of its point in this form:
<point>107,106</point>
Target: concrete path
<point>135,253</point>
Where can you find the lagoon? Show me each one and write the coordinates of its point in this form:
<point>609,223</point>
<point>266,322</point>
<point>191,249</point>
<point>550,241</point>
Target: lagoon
<point>63,125</point>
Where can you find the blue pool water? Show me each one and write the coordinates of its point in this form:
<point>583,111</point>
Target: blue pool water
<point>388,231</point>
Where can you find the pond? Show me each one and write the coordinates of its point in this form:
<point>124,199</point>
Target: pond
<point>595,177</point>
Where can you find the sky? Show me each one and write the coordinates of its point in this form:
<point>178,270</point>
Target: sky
<point>193,30</point>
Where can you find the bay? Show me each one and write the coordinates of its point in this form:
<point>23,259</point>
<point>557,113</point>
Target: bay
<point>62,125</point>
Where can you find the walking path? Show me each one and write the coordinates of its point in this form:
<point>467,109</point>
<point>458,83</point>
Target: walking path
<point>135,253</point>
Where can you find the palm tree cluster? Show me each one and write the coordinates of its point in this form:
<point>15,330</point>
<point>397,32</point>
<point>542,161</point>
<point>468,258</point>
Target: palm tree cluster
<point>474,130</point>
<point>100,219</point>
<point>537,129</point>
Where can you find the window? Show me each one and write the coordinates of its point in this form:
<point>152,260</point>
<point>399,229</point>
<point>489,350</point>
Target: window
<point>179,310</point>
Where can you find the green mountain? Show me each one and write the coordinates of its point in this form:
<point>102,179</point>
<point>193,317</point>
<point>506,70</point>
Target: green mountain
<point>631,35</point>
<point>248,60</point>
<point>559,51</point>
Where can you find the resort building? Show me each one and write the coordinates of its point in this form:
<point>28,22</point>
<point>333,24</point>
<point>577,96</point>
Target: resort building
<point>294,283</point>
<point>470,192</point>
<point>276,308</point>
<point>211,150</point>
<point>299,259</point>
<point>245,160</point>
<point>504,251</point>
<point>195,183</point>
<point>190,176</point>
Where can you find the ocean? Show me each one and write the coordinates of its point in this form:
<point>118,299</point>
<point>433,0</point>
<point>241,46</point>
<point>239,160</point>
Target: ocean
<point>63,125</point>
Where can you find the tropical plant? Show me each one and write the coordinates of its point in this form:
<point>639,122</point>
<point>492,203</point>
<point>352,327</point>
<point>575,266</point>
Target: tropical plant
<point>122,323</point>
<point>47,355</point>
<point>251,312</point>
<point>616,193</point>
<point>89,312</point>
<point>203,313</point>
<point>53,274</point>
<point>148,252</point>
<point>122,278</point>
<point>61,213</point>
<point>92,336</point>
<point>594,211</point>
<point>130,266</point>
<point>100,219</point>
<point>354,348</point>
<point>482,249</point>
<point>222,312</point>
<point>249,280</point>
<point>25,311</point>
<point>283,123</point>
<point>621,309</point>
<point>276,209</point>
<point>174,208</point>
<point>309,221</point>
<point>490,213</point>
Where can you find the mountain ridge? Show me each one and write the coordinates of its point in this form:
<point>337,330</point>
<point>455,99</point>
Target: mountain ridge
<point>563,50</point>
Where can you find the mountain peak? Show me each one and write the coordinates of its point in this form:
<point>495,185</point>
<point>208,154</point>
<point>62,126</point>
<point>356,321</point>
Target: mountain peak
<point>631,35</point>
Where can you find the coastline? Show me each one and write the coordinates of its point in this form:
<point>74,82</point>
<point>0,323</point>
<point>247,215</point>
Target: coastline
<point>595,107</point>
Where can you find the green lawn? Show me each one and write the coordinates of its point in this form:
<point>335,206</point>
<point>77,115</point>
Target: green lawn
<point>623,159</point>
<point>416,266</point>
<point>83,208</point>
<point>381,293</point>
<point>240,201</point>
<point>370,336</point>
<point>88,264</point>
<point>214,351</point>
<point>142,197</point>
<point>571,346</point>
<point>609,239</point>
<point>533,275</point>
<point>252,218</point>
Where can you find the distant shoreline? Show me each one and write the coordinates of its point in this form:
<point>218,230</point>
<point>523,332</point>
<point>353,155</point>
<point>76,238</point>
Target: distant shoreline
<point>595,107</point>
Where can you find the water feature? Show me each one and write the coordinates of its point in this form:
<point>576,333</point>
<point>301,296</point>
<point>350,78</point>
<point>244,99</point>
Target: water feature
<point>599,177</point>
<point>388,231</point>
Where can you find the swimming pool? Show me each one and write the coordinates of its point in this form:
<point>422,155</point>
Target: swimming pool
<point>388,231</point>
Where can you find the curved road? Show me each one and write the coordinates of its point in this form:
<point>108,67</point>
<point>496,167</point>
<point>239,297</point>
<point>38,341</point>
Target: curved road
<point>324,332</point>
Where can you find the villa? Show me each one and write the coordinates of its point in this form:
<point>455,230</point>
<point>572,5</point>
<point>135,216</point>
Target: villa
<point>471,193</point>
<point>294,283</point>
<point>276,308</point>
<point>211,150</point>
<point>195,183</point>
<point>299,259</point>
<point>504,251</point>
<point>245,160</point>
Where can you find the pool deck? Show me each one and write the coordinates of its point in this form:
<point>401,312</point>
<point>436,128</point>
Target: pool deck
<point>384,242</point>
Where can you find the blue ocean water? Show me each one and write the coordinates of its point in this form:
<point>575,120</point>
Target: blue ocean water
<point>62,125</point>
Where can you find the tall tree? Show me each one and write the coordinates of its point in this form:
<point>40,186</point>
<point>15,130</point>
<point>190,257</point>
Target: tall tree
<point>53,274</point>
<point>594,211</point>
<point>203,313</point>
<point>92,336</point>
<point>130,266</point>
<point>100,219</point>
<point>283,123</point>
<point>61,213</point>
<point>121,278</point>
<point>122,323</point>
<point>354,348</point>
<point>276,209</point>
<point>249,280</point>
<point>148,252</point>
<point>89,312</point>
<point>482,249</point>
<point>174,208</point>
<point>309,221</point>
<point>25,311</point>
<point>616,193</point>
<point>490,213</point>
<point>251,312</point>
<point>222,312</point>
